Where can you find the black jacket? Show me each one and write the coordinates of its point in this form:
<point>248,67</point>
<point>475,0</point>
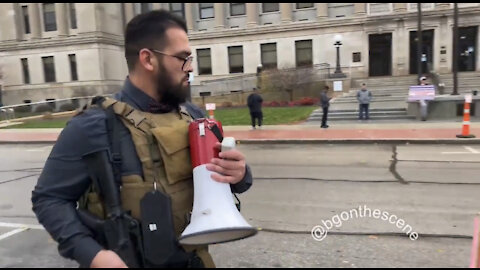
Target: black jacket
<point>254,102</point>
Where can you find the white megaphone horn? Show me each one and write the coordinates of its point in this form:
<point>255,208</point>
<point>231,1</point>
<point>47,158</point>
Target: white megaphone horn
<point>215,217</point>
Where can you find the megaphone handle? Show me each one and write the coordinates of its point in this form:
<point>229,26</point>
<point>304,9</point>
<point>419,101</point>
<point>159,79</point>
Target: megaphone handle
<point>228,143</point>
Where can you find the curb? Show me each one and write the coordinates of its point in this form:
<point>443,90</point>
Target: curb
<point>359,141</point>
<point>28,142</point>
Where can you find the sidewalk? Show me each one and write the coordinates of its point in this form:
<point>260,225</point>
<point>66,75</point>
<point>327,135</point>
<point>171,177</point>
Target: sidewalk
<point>366,132</point>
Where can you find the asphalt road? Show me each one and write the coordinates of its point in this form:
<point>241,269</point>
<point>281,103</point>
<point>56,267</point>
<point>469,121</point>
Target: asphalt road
<point>432,188</point>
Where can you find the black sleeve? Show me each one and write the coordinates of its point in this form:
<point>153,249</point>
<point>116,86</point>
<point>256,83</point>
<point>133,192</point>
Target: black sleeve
<point>246,182</point>
<point>63,181</point>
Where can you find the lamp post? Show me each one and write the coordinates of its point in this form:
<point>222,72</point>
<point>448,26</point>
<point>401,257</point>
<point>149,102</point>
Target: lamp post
<point>338,71</point>
<point>455,49</point>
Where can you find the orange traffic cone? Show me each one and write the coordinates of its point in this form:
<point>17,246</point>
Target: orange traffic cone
<point>210,112</point>
<point>466,123</point>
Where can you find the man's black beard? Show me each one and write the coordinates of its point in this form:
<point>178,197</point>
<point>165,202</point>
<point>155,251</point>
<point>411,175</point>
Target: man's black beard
<point>171,95</point>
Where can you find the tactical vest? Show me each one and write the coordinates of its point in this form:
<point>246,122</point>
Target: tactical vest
<point>162,145</point>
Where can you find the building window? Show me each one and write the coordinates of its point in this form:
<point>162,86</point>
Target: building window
<point>425,6</point>
<point>269,55</point>
<point>357,57</point>
<point>237,9</point>
<point>340,10</point>
<point>235,59</point>
<point>49,20</point>
<point>304,5</point>
<point>270,7</point>
<point>25,19</point>
<point>73,66</point>
<point>379,8</point>
<point>204,62</point>
<point>206,10</point>
<point>48,69</point>
<point>303,50</point>
<point>26,74</point>
<point>145,7</point>
<point>178,9</point>
<point>73,16</point>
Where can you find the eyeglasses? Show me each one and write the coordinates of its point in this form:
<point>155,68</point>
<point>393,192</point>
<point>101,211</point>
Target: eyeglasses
<point>187,61</point>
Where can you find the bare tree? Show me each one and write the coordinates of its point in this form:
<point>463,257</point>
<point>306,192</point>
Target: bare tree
<point>288,80</point>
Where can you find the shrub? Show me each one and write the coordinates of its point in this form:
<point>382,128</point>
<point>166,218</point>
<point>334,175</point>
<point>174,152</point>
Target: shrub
<point>44,108</point>
<point>306,101</point>
<point>226,104</point>
<point>23,109</point>
<point>67,107</point>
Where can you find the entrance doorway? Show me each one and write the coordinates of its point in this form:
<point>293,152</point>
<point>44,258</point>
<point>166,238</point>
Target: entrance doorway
<point>467,47</point>
<point>427,51</point>
<point>380,54</point>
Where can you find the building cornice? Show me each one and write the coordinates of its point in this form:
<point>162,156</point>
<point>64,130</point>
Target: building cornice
<point>80,39</point>
<point>330,23</point>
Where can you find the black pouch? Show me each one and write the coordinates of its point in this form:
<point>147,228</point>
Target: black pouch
<point>160,245</point>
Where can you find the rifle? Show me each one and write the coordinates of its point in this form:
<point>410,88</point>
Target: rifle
<point>120,232</point>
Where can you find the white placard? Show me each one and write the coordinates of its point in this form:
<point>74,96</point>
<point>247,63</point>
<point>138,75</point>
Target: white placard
<point>337,86</point>
<point>468,98</point>
<point>210,106</point>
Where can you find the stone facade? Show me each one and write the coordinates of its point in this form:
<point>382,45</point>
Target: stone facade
<point>97,40</point>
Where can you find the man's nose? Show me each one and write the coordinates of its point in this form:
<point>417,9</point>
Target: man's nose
<point>190,69</point>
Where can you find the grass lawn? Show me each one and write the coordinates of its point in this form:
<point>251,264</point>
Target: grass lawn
<point>228,117</point>
<point>271,115</point>
<point>43,123</point>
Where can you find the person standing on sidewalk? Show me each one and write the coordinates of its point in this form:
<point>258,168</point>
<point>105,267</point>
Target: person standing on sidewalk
<point>254,102</point>
<point>364,97</point>
<point>325,103</point>
<point>423,102</point>
<point>144,131</point>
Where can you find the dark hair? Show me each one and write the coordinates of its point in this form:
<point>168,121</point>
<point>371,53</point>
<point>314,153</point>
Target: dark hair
<point>326,87</point>
<point>147,30</point>
<point>363,84</point>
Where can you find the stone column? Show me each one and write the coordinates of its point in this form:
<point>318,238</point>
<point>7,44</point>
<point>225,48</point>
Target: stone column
<point>189,19</point>
<point>360,9</point>
<point>34,20</point>
<point>286,12</point>
<point>61,17</point>
<point>322,11</point>
<point>252,14</point>
<point>219,16</point>
<point>129,12</point>
<point>400,49</point>
<point>399,7</point>
<point>445,43</point>
<point>19,25</point>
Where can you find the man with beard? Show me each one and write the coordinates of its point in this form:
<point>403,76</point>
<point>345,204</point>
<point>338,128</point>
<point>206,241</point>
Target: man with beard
<point>150,121</point>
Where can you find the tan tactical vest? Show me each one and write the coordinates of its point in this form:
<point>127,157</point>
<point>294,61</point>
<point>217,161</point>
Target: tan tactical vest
<point>162,145</point>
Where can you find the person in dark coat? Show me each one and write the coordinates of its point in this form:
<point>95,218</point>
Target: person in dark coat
<point>254,102</point>
<point>325,103</point>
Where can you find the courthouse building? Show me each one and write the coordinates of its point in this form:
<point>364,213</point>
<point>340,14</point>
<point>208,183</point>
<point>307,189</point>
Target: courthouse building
<point>63,50</point>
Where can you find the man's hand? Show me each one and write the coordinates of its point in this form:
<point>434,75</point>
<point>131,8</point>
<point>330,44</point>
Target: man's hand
<point>229,168</point>
<point>107,259</point>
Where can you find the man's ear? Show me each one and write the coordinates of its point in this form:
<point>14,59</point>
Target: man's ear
<point>146,59</point>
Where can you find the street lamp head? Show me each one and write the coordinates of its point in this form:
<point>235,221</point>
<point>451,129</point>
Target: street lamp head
<point>338,40</point>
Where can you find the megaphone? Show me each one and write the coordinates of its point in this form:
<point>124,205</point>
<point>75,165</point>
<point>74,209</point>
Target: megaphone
<point>215,218</point>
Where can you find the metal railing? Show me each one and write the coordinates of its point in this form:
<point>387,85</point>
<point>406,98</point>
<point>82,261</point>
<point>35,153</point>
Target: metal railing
<point>34,109</point>
<point>246,82</point>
